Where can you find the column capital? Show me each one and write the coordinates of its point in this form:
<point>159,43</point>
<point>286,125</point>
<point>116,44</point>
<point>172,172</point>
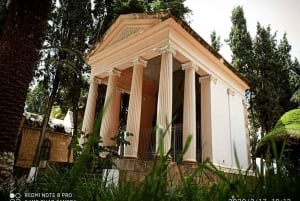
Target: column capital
<point>114,72</point>
<point>168,48</point>
<point>190,65</point>
<point>208,78</point>
<point>95,79</point>
<point>230,92</point>
<point>139,60</point>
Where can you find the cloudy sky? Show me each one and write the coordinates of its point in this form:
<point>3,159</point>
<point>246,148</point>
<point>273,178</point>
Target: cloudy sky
<point>281,15</point>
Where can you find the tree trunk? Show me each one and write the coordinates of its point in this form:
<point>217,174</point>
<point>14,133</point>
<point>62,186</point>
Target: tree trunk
<point>19,49</point>
<point>75,100</point>
<point>46,119</point>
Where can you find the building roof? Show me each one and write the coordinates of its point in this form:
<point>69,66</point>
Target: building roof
<point>153,19</point>
<point>185,26</point>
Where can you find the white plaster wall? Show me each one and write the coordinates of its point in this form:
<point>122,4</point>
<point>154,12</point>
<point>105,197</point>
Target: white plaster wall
<point>228,127</point>
<point>238,131</point>
<point>221,143</point>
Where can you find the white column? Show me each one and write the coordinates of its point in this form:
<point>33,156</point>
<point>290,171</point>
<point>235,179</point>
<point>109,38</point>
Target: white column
<point>164,102</point>
<point>108,112</point>
<point>115,122</point>
<point>89,113</point>
<point>206,116</point>
<point>134,108</point>
<point>189,111</point>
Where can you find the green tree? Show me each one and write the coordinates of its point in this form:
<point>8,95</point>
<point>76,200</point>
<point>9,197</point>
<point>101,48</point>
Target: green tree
<point>268,67</point>
<point>266,99</point>
<point>176,7</point>
<point>103,15</point>
<point>131,6</point>
<point>273,86</point>
<point>215,41</point>
<point>295,80</point>
<point>21,39</point>
<point>240,43</point>
<point>68,38</point>
<point>36,99</point>
<point>289,81</point>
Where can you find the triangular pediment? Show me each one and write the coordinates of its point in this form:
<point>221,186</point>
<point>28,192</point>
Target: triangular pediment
<point>126,32</point>
<point>126,26</point>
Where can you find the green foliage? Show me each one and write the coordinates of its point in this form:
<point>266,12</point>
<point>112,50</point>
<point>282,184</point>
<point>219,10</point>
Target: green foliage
<point>285,137</point>
<point>157,184</point>
<point>37,99</point>
<point>215,41</point>
<point>266,88</point>
<point>296,97</point>
<point>176,7</point>
<point>287,125</point>
<point>268,67</point>
<point>158,6</point>
<point>240,43</point>
<point>206,181</point>
<point>272,75</point>
<point>61,67</point>
<point>129,6</point>
<point>62,62</point>
<point>56,112</point>
<point>273,88</point>
<point>295,81</point>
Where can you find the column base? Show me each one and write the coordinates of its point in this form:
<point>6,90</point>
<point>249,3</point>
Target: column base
<point>189,162</point>
<point>130,157</point>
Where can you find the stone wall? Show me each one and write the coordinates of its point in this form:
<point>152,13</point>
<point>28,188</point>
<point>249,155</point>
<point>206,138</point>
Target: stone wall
<point>29,140</point>
<point>134,170</point>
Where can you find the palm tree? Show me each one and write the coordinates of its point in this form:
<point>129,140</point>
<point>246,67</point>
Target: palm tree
<point>283,141</point>
<point>19,49</point>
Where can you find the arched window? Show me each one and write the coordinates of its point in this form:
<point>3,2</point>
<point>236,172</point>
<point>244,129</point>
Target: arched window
<point>46,148</point>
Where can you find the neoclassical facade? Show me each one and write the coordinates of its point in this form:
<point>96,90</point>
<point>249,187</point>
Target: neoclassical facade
<point>168,70</point>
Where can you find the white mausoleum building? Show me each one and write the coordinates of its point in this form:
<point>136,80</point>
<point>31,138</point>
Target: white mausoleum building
<point>168,71</point>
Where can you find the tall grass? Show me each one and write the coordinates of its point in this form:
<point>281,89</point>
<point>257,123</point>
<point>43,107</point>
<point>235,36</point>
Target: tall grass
<point>206,182</point>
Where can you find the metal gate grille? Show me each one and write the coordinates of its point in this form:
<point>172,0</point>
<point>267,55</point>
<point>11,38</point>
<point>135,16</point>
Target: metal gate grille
<point>148,139</point>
